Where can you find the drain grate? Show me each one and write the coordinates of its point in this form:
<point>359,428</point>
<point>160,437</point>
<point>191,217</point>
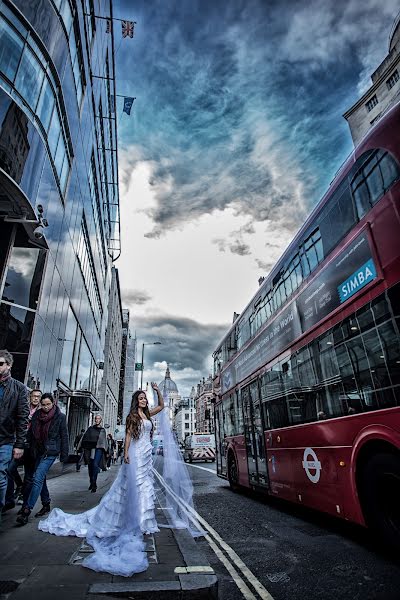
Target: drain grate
<point>6,587</point>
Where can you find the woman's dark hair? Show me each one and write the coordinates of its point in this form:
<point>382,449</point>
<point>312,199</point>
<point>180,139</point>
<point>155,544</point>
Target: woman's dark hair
<point>47,395</point>
<point>133,420</point>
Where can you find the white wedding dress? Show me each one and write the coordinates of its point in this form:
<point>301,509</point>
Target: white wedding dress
<point>115,527</point>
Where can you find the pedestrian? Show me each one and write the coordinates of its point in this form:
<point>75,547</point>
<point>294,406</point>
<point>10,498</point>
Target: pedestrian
<point>14,413</point>
<point>79,449</point>
<point>48,439</point>
<point>114,527</point>
<point>110,449</point>
<point>25,461</point>
<point>94,444</point>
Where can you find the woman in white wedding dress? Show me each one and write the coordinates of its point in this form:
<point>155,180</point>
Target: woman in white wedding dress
<point>115,527</point>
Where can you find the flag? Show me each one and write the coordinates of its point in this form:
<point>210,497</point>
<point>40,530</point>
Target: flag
<point>108,26</point>
<point>112,103</point>
<point>128,105</point>
<point>127,29</point>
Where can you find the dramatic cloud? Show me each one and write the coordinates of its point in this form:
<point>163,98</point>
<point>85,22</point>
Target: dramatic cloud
<point>186,345</point>
<point>135,297</point>
<point>236,133</point>
<point>244,108</point>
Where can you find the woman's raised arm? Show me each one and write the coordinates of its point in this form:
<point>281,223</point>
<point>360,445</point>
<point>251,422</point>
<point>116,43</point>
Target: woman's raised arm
<point>160,406</point>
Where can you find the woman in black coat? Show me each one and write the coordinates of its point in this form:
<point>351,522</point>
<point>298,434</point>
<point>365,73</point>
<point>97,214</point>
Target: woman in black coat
<point>48,438</point>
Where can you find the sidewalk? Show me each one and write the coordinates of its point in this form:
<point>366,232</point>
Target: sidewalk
<point>34,564</point>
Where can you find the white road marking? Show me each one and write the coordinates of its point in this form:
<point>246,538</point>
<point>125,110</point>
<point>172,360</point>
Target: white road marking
<point>251,578</point>
<point>202,468</point>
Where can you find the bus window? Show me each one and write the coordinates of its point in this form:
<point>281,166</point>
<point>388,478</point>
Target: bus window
<point>378,173</point>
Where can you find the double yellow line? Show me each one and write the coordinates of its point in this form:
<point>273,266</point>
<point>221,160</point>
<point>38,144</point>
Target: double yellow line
<point>245,580</point>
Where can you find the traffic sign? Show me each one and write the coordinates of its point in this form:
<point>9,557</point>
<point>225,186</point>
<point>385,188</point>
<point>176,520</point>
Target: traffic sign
<point>138,366</point>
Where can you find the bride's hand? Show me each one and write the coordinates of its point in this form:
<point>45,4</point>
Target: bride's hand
<point>154,386</point>
<point>126,459</point>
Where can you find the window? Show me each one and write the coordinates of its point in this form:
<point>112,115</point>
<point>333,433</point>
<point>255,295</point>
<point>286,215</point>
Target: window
<point>312,253</point>
<point>337,218</point>
<point>392,79</point>
<point>11,47</point>
<point>86,263</point>
<point>378,172</point>
<point>371,103</point>
<point>29,78</point>
<point>24,63</point>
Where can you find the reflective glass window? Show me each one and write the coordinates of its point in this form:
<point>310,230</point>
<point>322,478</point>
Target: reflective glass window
<point>11,46</point>
<point>45,105</point>
<point>60,155</point>
<point>54,133</point>
<point>29,78</point>
<point>24,276</point>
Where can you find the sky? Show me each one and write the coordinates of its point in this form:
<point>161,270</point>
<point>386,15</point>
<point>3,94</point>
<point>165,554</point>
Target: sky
<point>234,136</point>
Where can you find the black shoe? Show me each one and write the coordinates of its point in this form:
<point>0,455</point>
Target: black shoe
<point>18,492</point>
<point>93,488</point>
<point>90,487</point>
<point>7,506</point>
<point>23,518</point>
<point>21,510</point>
<point>44,510</point>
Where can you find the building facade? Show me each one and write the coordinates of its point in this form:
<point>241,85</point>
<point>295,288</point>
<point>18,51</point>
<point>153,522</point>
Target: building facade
<point>382,94</point>
<point>204,407</point>
<point>170,392</point>
<point>185,417</point>
<point>109,389</point>
<point>131,378</point>
<point>59,201</point>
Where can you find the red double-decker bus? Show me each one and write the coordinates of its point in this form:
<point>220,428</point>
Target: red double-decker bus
<point>307,380</point>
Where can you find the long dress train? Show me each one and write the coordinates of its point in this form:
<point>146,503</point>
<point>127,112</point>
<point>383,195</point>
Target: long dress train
<point>115,527</point>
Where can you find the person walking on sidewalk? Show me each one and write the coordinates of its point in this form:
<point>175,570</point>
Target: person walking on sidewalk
<point>26,461</point>
<point>94,444</point>
<point>48,438</point>
<point>110,449</point>
<point>79,449</point>
<point>14,413</point>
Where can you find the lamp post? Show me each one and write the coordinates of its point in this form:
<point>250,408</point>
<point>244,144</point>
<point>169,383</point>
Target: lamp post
<point>143,345</point>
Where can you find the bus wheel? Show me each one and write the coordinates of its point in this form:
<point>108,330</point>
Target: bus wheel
<point>233,475</point>
<point>381,496</point>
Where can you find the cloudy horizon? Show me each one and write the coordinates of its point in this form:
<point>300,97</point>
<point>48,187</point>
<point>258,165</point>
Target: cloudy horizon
<point>235,134</point>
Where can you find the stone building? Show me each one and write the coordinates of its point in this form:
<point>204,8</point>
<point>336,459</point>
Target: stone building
<point>204,406</point>
<point>185,417</point>
<point>169,390</point>
<point>383,93</point>
<point>109,389</point>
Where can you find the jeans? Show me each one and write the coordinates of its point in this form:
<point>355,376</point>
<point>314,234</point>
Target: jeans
<point>94,465</point>
<point>14,477</point>
<point>43,464</point>
<point>30,468</point>
<point>5,458</point>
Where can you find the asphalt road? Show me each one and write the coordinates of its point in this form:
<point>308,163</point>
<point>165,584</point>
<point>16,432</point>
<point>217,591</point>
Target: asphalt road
<point>293,553</point>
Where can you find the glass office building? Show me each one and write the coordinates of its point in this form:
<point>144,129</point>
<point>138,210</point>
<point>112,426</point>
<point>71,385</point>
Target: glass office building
<point>59,202</point>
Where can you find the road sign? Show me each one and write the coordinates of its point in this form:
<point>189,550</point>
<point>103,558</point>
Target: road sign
<point>138,366</point>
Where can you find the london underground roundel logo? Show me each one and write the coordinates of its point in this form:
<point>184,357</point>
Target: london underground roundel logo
<point>312,467</point>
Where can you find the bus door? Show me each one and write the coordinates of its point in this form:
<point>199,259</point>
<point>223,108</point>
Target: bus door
<point>219,439</point>
<point>254,436</point>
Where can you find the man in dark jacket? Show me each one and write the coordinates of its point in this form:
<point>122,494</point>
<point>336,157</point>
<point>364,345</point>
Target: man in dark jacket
<point>14,412</point>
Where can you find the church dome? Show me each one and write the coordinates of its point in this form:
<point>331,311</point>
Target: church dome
<point>167,385</point>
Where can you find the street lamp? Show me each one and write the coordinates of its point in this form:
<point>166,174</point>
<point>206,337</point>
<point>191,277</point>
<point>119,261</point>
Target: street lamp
<point>143,345</point>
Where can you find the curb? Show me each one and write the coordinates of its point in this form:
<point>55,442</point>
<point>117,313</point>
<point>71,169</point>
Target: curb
<point>196,581</point>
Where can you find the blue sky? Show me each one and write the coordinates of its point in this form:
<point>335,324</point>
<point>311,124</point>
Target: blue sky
<point>235,134</point>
